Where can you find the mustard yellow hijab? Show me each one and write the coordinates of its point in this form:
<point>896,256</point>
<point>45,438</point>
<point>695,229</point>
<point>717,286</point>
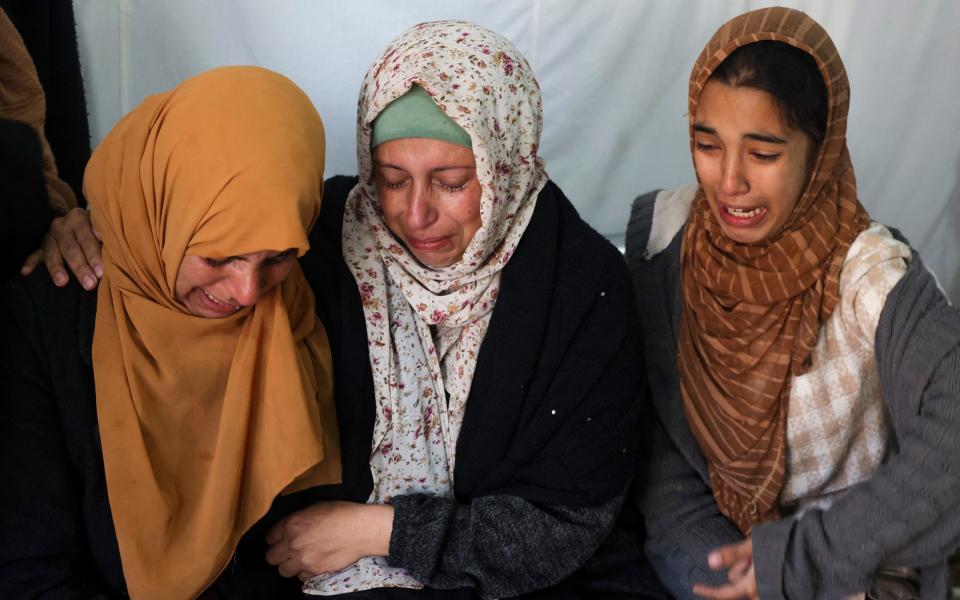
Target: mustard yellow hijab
<point>203,422</point>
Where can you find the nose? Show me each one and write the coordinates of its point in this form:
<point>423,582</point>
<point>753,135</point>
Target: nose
<point>245,285</point>
<point>733,180</point>
<point>420,212</point>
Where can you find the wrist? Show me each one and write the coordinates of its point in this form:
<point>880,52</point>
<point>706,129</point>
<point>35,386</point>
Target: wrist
<point>380,528</point>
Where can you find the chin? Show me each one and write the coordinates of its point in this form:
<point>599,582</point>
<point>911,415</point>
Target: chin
<point>435,263</point>
<point>744,236</point>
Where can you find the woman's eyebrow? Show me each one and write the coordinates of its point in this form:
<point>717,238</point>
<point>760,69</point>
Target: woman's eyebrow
<point>286,252</point>
<point>760,137</point>
<point>765,137</point>
<point>455,168</point>
<point>445,168</point>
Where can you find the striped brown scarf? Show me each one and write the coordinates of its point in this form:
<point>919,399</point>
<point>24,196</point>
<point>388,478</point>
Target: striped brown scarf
<point>752,313</point>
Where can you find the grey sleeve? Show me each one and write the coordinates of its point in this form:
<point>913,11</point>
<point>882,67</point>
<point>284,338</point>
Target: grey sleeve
<point>502,545</point>
<point>682,518</point>
<point>905,514</point>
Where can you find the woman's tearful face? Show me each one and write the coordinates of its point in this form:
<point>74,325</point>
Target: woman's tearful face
<point>430,197</point>
<point>751,166</point>
<point>214,288</point>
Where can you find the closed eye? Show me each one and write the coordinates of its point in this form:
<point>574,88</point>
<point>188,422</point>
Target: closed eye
<point>453,188</point>
<point>280,258</point>
<point>218,262</point>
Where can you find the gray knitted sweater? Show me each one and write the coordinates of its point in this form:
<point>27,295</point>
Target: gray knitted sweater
<point>907,513</point>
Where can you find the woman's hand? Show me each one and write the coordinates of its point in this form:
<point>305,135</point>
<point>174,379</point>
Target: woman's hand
<point>71,237</point>
<point>329,536</point>
<point>738,559</point>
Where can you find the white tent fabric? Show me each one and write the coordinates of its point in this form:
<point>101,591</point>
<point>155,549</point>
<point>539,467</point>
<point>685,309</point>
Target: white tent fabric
<point>613,73</point>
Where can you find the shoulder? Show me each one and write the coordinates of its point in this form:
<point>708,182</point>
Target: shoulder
<point>335,192</point>
<point>876,261</point>
<point>319,264</point>
<point>585,258</point>
<point>337,188</point>
<point>653,240</point>
<point>656,218</point>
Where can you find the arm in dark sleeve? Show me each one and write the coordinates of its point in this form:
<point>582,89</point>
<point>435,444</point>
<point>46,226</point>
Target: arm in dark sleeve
<point>41,550</point>
<point>683,521</point>
<point>682,518</point>
<point>906,513</point>
<point>503,545</point>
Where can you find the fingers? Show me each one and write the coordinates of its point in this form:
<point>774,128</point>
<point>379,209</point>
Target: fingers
<point>277,553</point>
<point>738,570</point>
<point>54,261</point>
<point>90,245</point>
<point>734,591</point>
<point>69,234</point>
<point>31,263</point>
<point>287,563</point>
<point>743,582</point>
<point>726,556</point>
<point>275,534</point>
<point>289,568</point>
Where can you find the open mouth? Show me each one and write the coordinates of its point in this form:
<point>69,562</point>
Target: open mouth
<point>742,216</point>
<point>745,213</point>
<point>217,305</point>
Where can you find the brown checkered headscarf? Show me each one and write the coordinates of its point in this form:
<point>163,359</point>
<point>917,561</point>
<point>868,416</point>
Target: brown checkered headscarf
<point>752,313</point>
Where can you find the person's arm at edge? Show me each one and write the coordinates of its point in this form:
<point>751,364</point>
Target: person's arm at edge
<point>40,507</point>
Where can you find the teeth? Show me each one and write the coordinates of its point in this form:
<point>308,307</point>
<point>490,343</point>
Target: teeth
<point>214,299</point>
<point>744,214</point>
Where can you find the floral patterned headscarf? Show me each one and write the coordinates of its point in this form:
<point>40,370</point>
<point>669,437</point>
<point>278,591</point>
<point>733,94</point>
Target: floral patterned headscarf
<point>425,325</point>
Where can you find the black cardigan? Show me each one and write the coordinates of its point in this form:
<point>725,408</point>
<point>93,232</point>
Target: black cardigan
<point>548,438</point>
<point>56,531</point>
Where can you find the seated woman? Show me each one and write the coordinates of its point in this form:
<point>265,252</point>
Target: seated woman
<point>485,380</point>
<point>147,426</point>
<point>804,364</point>
<point>485,371</point>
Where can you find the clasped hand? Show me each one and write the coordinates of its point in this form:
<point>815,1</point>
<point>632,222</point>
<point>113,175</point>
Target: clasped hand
<point>738,560</point>
<point>329,536</point>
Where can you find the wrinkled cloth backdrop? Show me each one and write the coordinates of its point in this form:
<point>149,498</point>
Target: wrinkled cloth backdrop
<point>614,79</point>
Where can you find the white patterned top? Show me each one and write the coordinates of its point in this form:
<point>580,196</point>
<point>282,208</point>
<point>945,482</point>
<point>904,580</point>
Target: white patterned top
<point>836,425</point>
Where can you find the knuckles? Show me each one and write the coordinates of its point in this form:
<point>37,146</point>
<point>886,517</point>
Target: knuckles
<point>75,216</point>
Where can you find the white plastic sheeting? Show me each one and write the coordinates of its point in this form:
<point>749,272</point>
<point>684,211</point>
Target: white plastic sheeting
<point>614,79</point>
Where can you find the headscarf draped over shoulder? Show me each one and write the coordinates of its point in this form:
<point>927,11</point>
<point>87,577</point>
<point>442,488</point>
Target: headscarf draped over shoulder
<point>752,313</point>
<point>203,422</point>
